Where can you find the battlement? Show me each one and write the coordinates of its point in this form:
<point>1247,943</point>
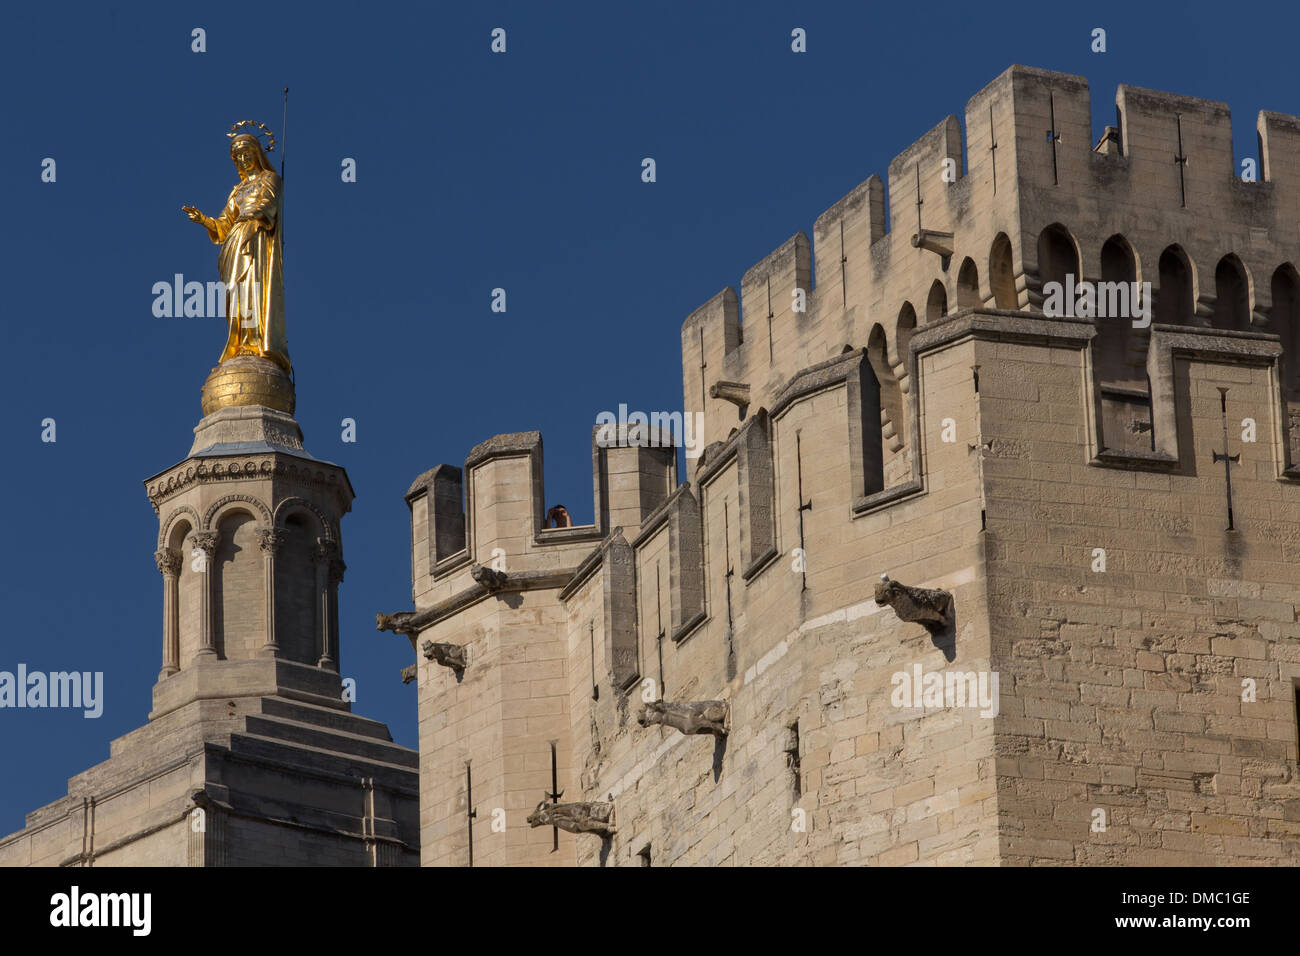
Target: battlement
<point>925,415</point>
<point>973,233</point>
<point>494,511</point>
<point>966,224</point>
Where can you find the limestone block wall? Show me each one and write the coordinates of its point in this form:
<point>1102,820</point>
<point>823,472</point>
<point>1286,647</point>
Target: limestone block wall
<point>511,703</point>
<point>1123,689</point>
<point>121,811</point>
<point>499,718</point>
<point>808,673</point>
<point>924,418</point>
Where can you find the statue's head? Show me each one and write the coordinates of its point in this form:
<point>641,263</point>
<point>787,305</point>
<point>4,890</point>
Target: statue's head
<point>246,151</point>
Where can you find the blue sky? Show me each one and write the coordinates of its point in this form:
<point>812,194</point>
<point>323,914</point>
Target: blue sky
<point>474,171</point>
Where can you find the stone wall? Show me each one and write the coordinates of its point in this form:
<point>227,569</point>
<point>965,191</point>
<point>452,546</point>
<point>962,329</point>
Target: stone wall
<point>1123,688</point>
<point>928,418</point>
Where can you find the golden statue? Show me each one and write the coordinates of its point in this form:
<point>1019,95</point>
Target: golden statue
<point>251,258</point>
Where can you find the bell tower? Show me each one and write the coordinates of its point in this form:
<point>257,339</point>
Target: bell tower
<point>252,755</point>
<point>249,549</point>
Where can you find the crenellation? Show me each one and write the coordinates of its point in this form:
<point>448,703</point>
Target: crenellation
<point>709,335</point>
<point>1052,127</point>
<point>1158,128</point>
<point>854,224</point>
<point>918,173</point>
<point>636,471</point>
<point>1279,156</point>
<point>775,299</point>
<point>926,421</point>
<point>435,500</point>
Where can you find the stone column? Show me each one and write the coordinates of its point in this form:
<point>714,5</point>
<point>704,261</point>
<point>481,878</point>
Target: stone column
<point>325,552</point>
<point>206,543</point>
<point>169,563</point>
<point>335,577</point>
<point>269,541</point>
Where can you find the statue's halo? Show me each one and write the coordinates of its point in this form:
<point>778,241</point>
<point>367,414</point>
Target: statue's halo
<point>256,129</point>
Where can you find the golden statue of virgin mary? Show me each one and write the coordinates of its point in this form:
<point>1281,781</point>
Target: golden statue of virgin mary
<point>251,258</point>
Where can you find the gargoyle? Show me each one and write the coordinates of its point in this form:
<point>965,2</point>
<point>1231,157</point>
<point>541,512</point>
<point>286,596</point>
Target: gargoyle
<point>929,607</point>
<point>690,717</point>
<point>575,817</point>
<point>408,673</point>
<point>448,655</point>
<point>399,623</point>
<point>489,578</point>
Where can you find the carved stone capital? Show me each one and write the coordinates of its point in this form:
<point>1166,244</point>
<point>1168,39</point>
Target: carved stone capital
<point>690,717</point>
<point>448,655</point>
<point>168,561</point>
<point>575,817</point>
<point>270,539</point>
<point>206,541</point>
<point>929,607</point>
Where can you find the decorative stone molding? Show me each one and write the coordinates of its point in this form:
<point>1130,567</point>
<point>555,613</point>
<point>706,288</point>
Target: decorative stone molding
<point>690,717</point>
<point>575,817</point>
<point>288,505</point>
<point>220,503</point>
<point>324,475</point>
<point>166,527</point>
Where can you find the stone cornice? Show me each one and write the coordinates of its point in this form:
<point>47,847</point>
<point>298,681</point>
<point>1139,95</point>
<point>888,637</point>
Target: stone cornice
<point>176,479</point>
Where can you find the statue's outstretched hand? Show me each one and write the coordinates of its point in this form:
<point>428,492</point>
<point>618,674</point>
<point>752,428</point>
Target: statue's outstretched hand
<point>194,214</point>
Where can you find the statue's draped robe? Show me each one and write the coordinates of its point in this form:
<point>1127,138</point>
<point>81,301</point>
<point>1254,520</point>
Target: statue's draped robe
<point>250,265</point>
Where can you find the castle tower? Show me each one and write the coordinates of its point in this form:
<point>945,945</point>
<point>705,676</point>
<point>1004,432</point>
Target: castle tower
<point>251,755</point>
<point>1087,520</point>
